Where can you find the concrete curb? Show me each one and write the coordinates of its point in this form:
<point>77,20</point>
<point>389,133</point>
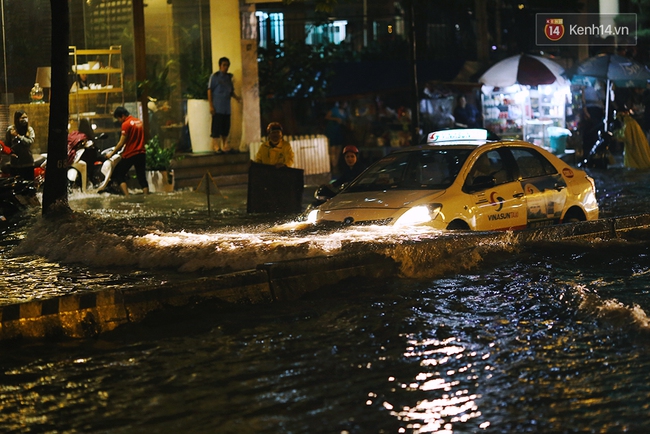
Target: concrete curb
<point>86,315</point>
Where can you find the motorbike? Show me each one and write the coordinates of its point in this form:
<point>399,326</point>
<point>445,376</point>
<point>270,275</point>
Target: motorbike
<point>322,194</point>
<point>599,156</point>
<point>39,167</point>
<point>90,170</point>
<point>107,171</point>
<point>16,195</point>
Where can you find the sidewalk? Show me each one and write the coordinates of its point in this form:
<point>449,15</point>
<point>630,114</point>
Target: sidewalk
<point>226,206</point>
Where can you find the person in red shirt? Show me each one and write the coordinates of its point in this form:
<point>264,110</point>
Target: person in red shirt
<point>134,155</point>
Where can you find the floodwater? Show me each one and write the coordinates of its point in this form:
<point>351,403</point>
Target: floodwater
<point>550,337</point>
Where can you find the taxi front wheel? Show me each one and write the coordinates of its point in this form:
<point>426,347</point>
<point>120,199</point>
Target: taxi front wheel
<point>458,225</point>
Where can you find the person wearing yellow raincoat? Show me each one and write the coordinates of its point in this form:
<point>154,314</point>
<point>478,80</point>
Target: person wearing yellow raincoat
<point>636,153</point>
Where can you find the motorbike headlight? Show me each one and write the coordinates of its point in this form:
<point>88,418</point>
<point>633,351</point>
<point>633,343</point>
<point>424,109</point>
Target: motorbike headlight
<point>419,215</point>
<point>312,217</point>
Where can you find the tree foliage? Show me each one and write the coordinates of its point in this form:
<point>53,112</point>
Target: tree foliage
<point>319,5</point>
<point>293,70</point>
<point>195,68</point>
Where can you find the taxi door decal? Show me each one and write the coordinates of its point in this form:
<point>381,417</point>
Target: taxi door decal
<point>545,199</point>
<point>501,207</point>
<point>496,201</point>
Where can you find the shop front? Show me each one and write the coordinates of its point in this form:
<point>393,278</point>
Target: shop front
<point>526,112</point>
<point>525,97</point>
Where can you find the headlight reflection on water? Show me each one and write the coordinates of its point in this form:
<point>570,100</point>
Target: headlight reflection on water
<point>328,241</point>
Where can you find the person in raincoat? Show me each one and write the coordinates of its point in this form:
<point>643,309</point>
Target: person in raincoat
<point>275,151</point>
<point>636,151</point>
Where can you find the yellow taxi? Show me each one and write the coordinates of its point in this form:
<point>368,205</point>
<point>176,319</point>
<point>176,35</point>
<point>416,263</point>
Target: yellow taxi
<point>461,180</point>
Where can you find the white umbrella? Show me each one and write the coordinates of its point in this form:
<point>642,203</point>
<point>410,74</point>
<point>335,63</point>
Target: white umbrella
<point>524,69</point>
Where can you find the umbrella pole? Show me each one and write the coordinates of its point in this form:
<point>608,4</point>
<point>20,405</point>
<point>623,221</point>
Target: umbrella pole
<point>606,120</point>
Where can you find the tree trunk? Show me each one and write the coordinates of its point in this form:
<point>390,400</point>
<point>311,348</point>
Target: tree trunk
<point>55,190</point>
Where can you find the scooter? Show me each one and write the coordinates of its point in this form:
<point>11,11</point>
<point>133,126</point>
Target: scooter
<point>16,195</point>
<point>88,169</point>
<point>107,169</point>
<point>322,194</point>
<point>40,161</point>
<point>600,154</point>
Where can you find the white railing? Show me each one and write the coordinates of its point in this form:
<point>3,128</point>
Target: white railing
<point>311,153</point>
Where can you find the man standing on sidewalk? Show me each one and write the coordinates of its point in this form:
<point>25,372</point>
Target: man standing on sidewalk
<point>132,140</point>
<point>220,90</point>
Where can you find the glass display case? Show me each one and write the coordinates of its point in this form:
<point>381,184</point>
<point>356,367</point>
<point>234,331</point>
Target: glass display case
<point>549,103</point>
<point>505,110</point>
<point>536,132</point>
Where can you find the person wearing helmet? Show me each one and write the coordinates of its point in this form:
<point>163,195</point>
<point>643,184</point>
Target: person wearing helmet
<point>275,151</point>
<point>352,169</point>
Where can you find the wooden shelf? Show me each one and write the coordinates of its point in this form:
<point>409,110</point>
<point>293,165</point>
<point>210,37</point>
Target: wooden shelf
<point>102,90</point>
<point>101,71</point>
<point>105,66</point>
<point>100,52</point>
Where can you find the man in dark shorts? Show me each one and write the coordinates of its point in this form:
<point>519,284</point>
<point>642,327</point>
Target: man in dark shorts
<point>132,140</point>
<point>220,90</point>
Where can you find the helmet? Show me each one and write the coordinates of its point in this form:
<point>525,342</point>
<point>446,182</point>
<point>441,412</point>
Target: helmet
<point>273,126</point>
<point>350,148</point>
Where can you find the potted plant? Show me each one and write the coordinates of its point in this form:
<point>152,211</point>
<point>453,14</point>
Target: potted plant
<point>158,160</point>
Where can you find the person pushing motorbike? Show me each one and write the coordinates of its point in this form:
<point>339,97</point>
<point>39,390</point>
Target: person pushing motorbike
<point>132,140</point>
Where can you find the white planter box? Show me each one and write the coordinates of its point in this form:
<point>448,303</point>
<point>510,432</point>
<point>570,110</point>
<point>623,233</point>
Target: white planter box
<point>200,122</point>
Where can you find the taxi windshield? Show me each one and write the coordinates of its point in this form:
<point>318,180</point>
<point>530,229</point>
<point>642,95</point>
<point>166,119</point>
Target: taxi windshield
<point>426,169</point>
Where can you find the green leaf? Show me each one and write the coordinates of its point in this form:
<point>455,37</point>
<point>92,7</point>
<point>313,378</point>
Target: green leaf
<point>158,157</point>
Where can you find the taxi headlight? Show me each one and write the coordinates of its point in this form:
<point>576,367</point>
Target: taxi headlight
<point>312,217</point>
<point>419,214</point>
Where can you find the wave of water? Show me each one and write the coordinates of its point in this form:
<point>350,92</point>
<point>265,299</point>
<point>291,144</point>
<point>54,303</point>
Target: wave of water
<point>95,242</point>
<point>613,312</point>
<point>109,243</point>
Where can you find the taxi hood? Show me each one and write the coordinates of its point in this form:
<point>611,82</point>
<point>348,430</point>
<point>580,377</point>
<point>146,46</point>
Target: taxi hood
<point>388,199</point>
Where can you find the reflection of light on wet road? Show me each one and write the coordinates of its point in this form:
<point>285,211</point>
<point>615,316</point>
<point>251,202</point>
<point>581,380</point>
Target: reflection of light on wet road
<point>442,398</point>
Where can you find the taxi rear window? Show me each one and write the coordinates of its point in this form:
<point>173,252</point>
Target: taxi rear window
<point>427,169</point>
<point>532,164</point>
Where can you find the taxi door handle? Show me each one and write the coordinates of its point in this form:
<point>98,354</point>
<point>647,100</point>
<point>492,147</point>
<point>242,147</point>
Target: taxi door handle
<point>517,195</point>
<point>559,187</point>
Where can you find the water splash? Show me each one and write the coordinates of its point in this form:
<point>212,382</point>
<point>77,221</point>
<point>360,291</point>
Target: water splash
<point>98,242</point>
<point>613,312</point>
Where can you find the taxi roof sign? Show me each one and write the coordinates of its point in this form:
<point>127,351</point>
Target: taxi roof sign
<point>454,135</point>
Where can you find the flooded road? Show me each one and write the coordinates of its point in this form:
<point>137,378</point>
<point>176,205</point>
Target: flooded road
<point>545,337</point>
